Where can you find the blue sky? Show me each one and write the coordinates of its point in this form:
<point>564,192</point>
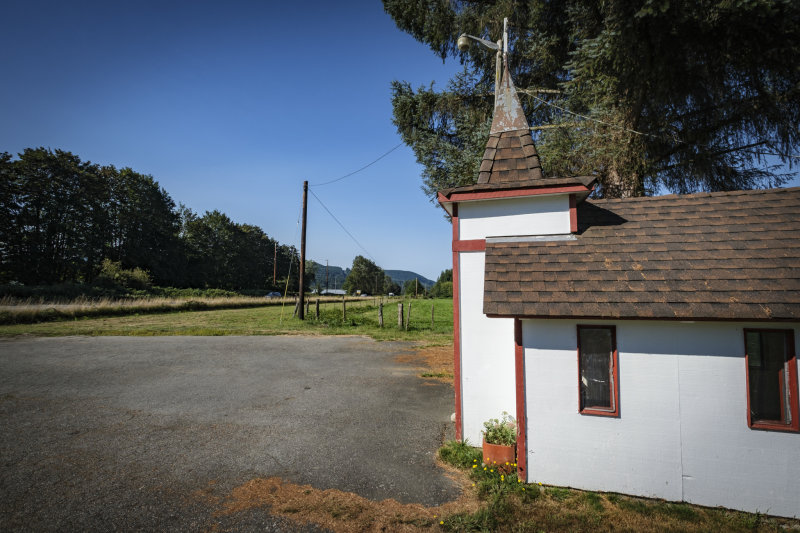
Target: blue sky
<point>230,106</point>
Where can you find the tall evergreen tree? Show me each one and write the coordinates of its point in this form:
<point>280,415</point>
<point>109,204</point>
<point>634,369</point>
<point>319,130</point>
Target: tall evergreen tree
<point>645,94</point>
<point>56,211</point>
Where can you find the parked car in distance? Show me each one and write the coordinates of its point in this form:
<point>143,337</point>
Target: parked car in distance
<point>274,294</point>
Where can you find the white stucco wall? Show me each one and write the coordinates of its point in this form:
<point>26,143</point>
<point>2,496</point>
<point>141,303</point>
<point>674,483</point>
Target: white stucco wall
<point>540,215</point>
<point>682,432</point>
<point>487,353</point>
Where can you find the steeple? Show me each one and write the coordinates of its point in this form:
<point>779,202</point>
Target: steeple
<point>510,156</point>
<point>510,165</point>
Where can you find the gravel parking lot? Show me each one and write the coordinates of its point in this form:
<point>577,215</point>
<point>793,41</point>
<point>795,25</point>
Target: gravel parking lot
<point>109,433</point>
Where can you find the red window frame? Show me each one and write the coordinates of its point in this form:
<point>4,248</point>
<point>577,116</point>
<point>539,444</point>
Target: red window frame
<point>776,425</point>
<point>614,373</point>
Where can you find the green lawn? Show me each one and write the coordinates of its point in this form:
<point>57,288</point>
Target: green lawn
<point>362,319</point>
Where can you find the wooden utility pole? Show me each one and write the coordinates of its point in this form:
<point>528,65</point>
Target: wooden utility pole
<point>327,287</point>
<point>303,252</point>
<point>275,265</point>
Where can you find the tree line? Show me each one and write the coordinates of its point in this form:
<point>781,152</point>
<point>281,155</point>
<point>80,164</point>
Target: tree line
<point>67,220</point>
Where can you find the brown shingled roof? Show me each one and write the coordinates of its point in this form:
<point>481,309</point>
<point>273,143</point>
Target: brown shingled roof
<point>717,256</point>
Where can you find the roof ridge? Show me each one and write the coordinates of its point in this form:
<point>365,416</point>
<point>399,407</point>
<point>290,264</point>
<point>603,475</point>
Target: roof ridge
<point>696,195</point>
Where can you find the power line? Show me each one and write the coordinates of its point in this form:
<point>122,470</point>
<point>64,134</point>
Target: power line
<point>289,274</point>
<point>565,110</point>
<point>790,156</point>
<point>356,171</point>
<point>551,126</point>
<point>342,225</point>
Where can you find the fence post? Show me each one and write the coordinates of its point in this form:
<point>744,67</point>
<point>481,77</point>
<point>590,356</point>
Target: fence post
<point>317,309</point>
<point>308,303</point>
<point>431,315</point>
<point>400,315</point>
<point>380,315</point>
<point>344,309</point>
<point>296,305</point>
<point>409,315</point>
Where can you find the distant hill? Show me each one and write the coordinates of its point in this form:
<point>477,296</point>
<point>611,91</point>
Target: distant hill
<point>401,276</point>
<point>337,275</point>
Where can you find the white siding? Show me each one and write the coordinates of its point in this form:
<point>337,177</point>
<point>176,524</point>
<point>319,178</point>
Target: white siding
<point>487,353</point>
<point>540,215</point>
<point>682,432</point>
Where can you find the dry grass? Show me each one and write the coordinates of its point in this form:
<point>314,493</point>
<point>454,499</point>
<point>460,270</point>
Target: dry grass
<point>33,310</point>
<point>332,509</point>
<point>433,362</point>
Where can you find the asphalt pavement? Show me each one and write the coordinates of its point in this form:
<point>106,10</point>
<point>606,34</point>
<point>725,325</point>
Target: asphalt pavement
<point>120,433</point>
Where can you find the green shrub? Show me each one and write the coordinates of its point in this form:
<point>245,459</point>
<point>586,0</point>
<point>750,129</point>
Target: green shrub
<point>113,275</point>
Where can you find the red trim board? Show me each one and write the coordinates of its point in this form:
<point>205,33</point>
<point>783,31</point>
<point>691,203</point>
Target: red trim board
<point>573,214</point>
<point>456,326</point>
<point>474,245</point>
<point>488,195</point>
<point>519,379</point>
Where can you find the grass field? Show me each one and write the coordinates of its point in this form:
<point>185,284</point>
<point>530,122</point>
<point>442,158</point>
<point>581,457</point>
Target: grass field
<point>272,319</point>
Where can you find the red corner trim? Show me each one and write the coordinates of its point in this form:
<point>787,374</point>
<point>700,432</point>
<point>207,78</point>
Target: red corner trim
<point>519,378</point>
<point>456,326</point>
<point>573,214</point>
<point>475,245</point>
<point>488,195</point>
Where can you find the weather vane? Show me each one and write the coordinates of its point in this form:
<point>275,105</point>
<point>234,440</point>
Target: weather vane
<point>501,46</point>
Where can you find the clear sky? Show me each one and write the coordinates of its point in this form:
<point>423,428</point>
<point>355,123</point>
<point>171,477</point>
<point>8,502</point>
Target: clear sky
<point>230,106</point>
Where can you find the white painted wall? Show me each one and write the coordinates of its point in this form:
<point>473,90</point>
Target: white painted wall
<point>487,353</point>
<point>539,215</point>
<point>682,433</point>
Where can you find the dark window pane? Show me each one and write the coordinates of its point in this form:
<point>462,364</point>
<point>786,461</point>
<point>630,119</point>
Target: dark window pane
<point>595,368</point>
<point>768,376</point>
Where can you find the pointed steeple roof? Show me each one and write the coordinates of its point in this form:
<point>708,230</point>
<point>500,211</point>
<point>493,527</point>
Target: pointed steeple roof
<point>510,165</point>
<point>510,156</point>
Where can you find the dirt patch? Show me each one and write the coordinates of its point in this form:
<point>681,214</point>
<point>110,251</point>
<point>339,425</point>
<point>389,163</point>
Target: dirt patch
<point>434,362</point>
<point>336,510</point>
